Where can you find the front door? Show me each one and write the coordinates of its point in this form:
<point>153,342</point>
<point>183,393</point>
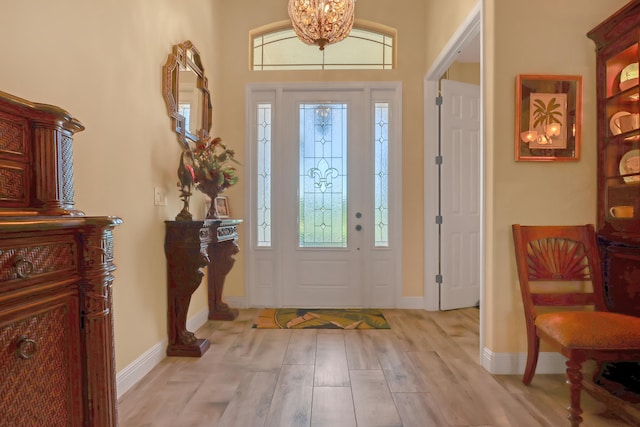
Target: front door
<point>337,245</point>
<point>329,199</point>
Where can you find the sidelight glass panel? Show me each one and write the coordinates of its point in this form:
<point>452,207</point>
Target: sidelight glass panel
<point>381,174</point>
<point>323,175</point>
<point>263,204</point>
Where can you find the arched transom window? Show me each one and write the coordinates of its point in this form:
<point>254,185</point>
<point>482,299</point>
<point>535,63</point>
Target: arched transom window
<point>364,48</point>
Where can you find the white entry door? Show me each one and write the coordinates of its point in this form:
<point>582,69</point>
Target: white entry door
<point>328,232</point>
<point>460,195</point>
<point>329,199</point>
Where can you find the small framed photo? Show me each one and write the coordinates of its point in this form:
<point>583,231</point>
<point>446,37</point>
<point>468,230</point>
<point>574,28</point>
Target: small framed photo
<point>222,206</point>
<point>548,117</point>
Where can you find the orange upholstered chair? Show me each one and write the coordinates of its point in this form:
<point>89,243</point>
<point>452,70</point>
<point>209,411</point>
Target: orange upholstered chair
<point>559,268</point>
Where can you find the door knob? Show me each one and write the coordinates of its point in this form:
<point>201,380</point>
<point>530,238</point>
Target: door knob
<point>358,227</point>
<point>358,215</point>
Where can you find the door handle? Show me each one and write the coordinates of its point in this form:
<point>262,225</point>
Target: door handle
<point>358,227</point>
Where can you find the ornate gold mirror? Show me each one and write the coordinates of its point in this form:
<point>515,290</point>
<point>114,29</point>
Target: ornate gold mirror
<point>186,94</point>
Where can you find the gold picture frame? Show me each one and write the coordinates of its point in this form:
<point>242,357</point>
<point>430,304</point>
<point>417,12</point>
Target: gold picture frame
<point>548,117</point>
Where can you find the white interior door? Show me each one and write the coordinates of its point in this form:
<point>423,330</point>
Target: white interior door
<point>460,195</point>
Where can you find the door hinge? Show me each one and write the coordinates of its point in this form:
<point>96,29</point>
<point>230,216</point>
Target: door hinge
<point>438,160</point>
<point>439,278</point>
<point>438,100</point>
<point>439,219</point>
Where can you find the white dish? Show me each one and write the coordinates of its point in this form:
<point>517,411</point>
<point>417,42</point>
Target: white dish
<point>614,122</point>
<point>627,84</point>
<point>629,76</point>
<point>630,163</point>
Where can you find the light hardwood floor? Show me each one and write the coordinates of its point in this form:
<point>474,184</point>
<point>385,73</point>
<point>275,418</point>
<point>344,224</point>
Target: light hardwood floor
<point>424,371</point>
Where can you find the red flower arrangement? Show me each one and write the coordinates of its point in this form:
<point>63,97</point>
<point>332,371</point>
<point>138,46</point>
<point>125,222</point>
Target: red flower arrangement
<point>208,166</point>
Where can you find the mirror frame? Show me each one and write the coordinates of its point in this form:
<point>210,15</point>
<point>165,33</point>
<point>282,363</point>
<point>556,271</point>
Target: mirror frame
<point>185,55</point>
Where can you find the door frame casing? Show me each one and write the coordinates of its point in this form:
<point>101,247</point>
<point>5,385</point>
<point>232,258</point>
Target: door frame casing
<point>467,31</point>
<point>262,266</point>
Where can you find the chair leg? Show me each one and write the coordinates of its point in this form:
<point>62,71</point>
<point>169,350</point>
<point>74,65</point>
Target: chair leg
<point>533,349</point>
<point>574,379</point>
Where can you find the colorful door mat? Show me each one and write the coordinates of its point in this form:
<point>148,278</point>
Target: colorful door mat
<point>321,318</point>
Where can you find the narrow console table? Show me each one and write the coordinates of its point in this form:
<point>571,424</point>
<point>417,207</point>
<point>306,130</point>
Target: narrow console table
<point>190,246</point>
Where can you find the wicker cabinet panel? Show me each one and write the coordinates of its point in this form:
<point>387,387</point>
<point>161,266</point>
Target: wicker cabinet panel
<point>14,133</point>
<point>35,257</point>
<point>40,358</point>
<point>14,187</point>
<point>14,160</point>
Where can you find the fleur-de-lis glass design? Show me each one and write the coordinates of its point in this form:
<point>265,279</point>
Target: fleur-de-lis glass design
<point>323,175</point>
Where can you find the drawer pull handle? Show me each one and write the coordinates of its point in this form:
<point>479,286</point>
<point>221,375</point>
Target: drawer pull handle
<point>26,347</point>
<point>24,267</point>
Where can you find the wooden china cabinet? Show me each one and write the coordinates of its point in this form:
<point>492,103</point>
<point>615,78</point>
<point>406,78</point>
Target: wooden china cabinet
<point>56,327</point>
<point>618,108</point>
<point>618,173</point>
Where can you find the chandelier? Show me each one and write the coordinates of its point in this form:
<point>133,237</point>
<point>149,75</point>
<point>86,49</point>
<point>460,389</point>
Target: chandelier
<point>321,22</point>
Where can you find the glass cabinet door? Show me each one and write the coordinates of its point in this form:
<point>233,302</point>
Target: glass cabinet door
<point>621,162</point>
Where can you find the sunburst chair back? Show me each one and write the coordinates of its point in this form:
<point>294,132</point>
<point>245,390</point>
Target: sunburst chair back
<point>562,293</point>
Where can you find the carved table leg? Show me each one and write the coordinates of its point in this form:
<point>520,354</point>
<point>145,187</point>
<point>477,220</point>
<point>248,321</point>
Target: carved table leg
<point>221,255</point>
<point>184,260</point>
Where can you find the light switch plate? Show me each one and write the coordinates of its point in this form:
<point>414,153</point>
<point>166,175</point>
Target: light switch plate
<point>159,196</point>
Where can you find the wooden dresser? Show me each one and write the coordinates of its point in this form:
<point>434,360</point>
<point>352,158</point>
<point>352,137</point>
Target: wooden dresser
<point>56,327</point>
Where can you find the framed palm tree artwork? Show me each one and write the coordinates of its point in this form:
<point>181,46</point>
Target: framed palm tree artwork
<point>548,117</point>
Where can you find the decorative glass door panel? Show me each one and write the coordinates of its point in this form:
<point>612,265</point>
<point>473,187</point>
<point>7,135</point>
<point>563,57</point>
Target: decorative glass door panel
<point>323,175</point>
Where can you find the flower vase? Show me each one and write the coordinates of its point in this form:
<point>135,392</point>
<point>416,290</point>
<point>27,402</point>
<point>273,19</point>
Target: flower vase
<point>212,212</point>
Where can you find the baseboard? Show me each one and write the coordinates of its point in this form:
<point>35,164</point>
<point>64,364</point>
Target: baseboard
<point>135,371</point>
<point>236,302</point>
<point>411,303</point>
<point>514,363</point>
<point>407,303</point>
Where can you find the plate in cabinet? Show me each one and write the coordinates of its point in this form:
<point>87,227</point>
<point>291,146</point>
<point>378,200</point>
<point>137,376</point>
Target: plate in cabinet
<point>629,76</point>
<point>630,163</point>
<point>614,122</point>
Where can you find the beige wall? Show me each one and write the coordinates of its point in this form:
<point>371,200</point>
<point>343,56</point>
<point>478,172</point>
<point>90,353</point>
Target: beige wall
<point>442,19</point>
<point>464,72</point>
<point>532,192</point>
<point>102,62</point>
<point>235,74</point>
